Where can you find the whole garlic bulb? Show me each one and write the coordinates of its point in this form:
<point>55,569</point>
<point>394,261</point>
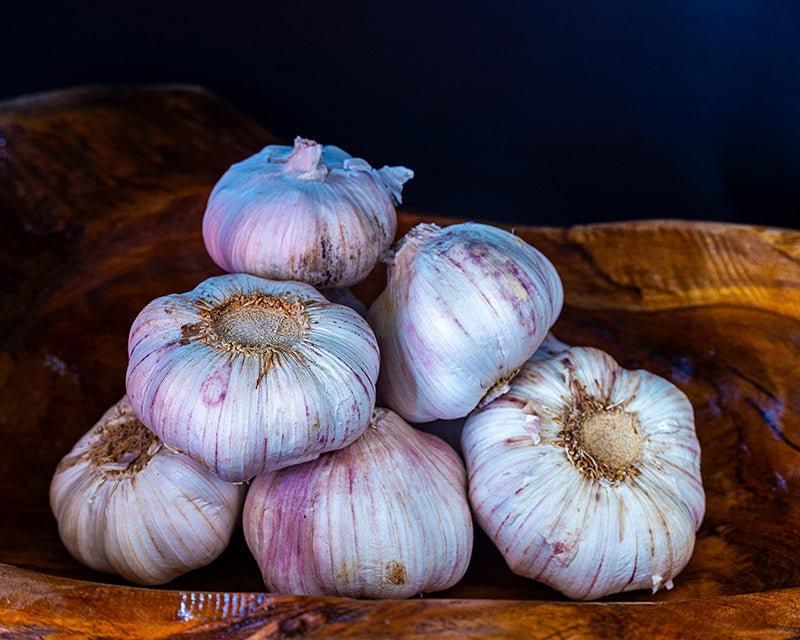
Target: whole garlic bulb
<point>126,504</point>
<point>309,212</point>
<point>248,375</point>
<point>586,476</point>
<point>386,517</point>
<point>464,307</point>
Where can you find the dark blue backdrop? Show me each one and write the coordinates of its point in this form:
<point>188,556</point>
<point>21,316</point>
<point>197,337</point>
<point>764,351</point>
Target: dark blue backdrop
<point>547,113</point>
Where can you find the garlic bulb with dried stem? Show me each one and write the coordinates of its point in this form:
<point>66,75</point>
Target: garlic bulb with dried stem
<point>248,375</point>
<point>586,476</point>
<point>464,307</point>
<point>126,504</point>
<point>309,212</point>
<point>386,517</point>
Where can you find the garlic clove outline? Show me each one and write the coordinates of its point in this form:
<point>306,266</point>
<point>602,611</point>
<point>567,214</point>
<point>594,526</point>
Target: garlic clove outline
<point>248,375</point>
<point>464,307</point>
<point>386,517</point>
<point>126,504</point>
<point>309,212</point>
<point>586,476</point>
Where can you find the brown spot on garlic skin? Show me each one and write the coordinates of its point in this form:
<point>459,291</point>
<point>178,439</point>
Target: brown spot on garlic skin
<point>395,572</point>
<point>524,441</point>
<point>322,264</point>
<point>189,331</point>
<point>347,572</point>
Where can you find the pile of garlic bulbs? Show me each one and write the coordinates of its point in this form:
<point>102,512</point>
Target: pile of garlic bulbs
<point>270,397</point>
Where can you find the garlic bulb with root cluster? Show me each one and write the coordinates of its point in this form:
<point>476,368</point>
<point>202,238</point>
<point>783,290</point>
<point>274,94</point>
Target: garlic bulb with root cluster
<point>586,476</point>
<point>386,517</point>
<point>309,212</point>
<point>126,504</point>
<point>464,307</point>
<point>248,375</point>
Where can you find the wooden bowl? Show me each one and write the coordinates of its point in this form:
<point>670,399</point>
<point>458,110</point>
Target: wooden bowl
<point>102,192</point>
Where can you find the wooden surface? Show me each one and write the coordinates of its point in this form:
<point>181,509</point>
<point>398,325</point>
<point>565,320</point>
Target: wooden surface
<point>102,193</point>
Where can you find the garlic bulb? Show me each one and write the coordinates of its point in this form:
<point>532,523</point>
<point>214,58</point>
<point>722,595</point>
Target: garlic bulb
<point>386,517</point>
<point>464,307</point>
<point>126,504</point>
<point>248,375</point>
<point>309,212</point>
<point>586,475</point>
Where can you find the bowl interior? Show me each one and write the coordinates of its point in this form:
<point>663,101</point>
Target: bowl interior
<point>101,213</point>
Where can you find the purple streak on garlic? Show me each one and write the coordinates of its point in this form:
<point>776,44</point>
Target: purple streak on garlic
<point>586,476</point>
<point>309,212</point>
<point>464,307</point>
<point>126,504</point>
<point>248,375</point>
<point>386,517</point>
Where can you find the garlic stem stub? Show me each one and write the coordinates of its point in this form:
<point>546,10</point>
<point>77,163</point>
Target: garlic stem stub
<point>386,517</point>
<point>309,212</point>
<point>586,476</point>
<point>248,375</point>
<point>126,504</point>
<point>464,307</point>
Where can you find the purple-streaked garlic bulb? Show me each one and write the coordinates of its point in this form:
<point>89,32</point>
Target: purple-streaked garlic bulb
<point>126,504</point>
<point>464,307</point>
<point>310,212</point>
<point>248,375</point>
<point>586,476</point>
<point>386,517</point>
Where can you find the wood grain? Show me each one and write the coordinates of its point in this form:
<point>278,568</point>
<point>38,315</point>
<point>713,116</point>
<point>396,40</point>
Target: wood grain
<point>102,192</point>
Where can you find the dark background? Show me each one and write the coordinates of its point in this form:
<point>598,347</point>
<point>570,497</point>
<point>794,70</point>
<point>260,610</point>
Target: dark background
<point>549,113</point>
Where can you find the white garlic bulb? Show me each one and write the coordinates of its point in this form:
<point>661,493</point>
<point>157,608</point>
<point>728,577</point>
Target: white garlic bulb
<point>126,504</point>
<point>464,307</point>
<point>386,517</point>
<point>586,476</point>
<point>248,375</point>
<point>309,212</point>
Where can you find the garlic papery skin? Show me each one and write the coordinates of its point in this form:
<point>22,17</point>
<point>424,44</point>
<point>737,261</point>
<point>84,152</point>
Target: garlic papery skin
<point>310,212</point>
<point>586,476</point>
<point>386,517</point>
<point>248,375</point>
<point>464,307</point>
<point>126,504</point>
